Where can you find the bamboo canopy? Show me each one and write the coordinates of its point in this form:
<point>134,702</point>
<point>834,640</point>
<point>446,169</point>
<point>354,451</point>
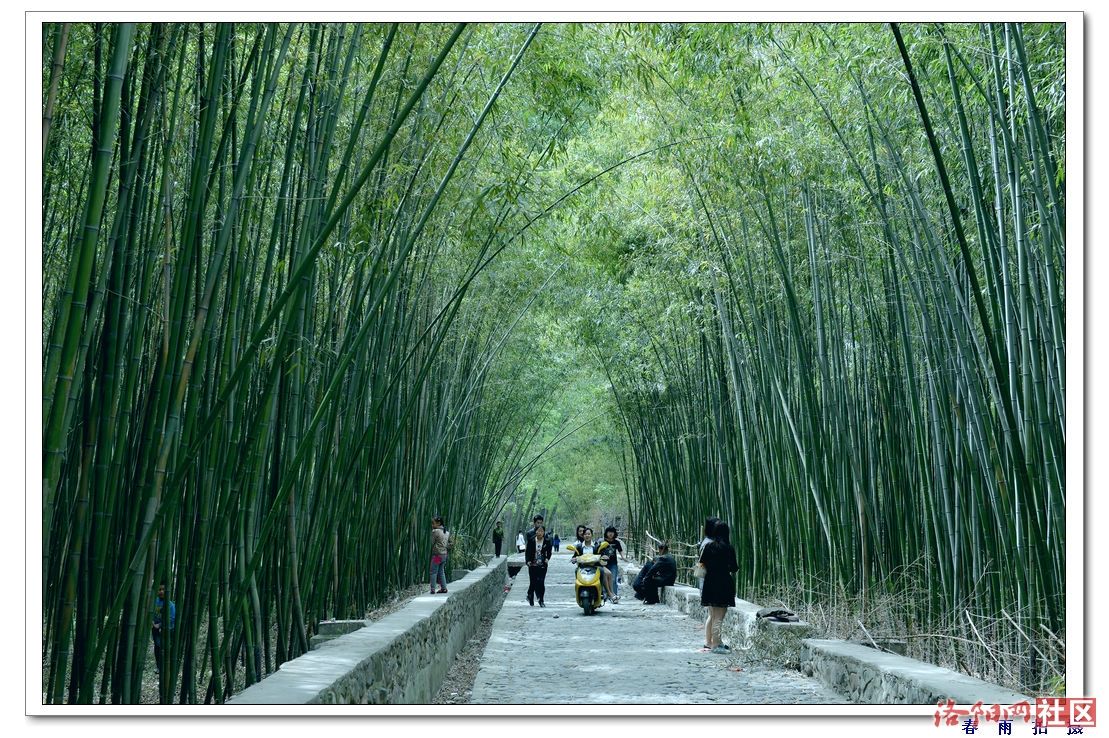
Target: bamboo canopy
<point>306,285</point>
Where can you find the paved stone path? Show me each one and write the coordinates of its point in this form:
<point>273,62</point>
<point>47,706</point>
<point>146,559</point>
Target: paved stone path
<point>628,653</point>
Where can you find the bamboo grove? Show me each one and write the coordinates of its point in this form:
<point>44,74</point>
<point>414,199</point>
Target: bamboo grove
<point>867,381</point>
<point>260,379</point>
<point>305,285</point>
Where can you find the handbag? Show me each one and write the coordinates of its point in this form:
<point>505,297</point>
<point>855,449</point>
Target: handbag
<point>699,570</point>
<point>437,559</point>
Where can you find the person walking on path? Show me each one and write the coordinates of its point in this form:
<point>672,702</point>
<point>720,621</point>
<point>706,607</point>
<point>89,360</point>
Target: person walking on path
<point>616,548</point>
<point>159,619</point>
<point>520,542</point>
<point>498,538</point>
<point>537,555</point>
<point>535,523</point>
<point>438,555</point>
<point>555,541</point>
<point>718,593</point>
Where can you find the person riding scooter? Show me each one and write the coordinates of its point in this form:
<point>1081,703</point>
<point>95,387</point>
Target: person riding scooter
<point>589,580</point>
<point>603,550</point>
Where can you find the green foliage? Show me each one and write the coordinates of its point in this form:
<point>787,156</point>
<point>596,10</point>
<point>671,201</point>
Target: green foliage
<point>306,285</point>
<point>833,331</point>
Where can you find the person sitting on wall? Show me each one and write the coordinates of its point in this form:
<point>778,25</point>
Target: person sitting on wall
<point>662,571</point>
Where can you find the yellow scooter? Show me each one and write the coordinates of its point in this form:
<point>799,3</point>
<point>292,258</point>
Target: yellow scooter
<point>588,586</point>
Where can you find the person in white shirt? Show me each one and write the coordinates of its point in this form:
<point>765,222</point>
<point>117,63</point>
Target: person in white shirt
<point>520,543</point>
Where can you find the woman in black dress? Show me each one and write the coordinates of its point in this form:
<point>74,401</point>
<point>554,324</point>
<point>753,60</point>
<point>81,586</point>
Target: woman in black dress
<point>710,526</point>
<point>718,593</point>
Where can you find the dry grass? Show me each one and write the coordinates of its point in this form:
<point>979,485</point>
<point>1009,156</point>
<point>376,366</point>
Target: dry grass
<point>1009,649</point>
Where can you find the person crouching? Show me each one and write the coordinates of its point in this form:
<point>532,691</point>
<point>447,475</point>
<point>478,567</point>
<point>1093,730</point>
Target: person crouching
<point>659,572</point>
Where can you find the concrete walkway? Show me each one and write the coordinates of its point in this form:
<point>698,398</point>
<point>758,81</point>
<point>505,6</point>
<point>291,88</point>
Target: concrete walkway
<point>628,653</point>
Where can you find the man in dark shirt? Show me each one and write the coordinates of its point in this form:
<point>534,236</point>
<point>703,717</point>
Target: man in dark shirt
<point>498,538</point>
<point>661,572</point>
<point>535,522</point>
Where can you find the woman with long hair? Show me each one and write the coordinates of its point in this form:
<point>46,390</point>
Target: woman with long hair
<point>710,526</point>
<point>718,592</point>
<point>706,539</point>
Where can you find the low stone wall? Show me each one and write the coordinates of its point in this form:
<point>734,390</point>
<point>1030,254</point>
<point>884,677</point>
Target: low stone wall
<point>862,674</point>
<point>868,676</point>
<point>400,659</point>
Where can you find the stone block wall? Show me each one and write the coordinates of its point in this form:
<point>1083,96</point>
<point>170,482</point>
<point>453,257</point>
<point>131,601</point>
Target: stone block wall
<point>861,674</point>
<point>868,676</point>
<point>330,629</point>
<point>400,659</point>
